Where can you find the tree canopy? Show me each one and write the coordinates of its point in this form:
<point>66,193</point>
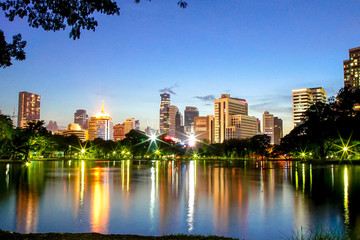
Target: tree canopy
<point>53,15</point>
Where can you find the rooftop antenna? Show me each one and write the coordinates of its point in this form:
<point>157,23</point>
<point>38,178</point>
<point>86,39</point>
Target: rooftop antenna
<point>102,107</point>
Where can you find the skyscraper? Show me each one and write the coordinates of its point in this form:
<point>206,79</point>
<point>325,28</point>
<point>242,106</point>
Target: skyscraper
<point>189,114</point>
<point>164,112</point>
<point>81,118</point>
<point>352,68</point>
<point>119,133</point>
<point>29,108</point>
<point>101,126</point>
<point>303,98</point>
<point>204,128</point>
<point>129,124</point>
<point>225,107</point>
<point>272,126</point>
<point>173,112</point>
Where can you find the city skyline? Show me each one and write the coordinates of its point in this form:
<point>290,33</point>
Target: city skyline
<point>198,53</point>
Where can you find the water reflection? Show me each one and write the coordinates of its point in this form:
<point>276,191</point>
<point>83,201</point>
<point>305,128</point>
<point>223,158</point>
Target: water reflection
<point>252,200</point>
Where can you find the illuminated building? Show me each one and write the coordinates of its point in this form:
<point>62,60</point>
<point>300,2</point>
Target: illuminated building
<point>204,128</point>
<point>119,132</point>
<point>175,122</point>
<point>189,114</point>
<point>303,98</point>
<point>101,126</point>
<point>129,124</point>
<point>75,129</point>
<point>29,108</point>
<point>81,118</point>
<point>225,107</point>
<point>164,112</point>
<point>352,68</point>
<point>272,126</point>
<point>241,126</point>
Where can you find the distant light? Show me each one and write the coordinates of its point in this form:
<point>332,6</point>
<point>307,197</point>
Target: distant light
<point>192,140</point>
<point>345,149</point>
<point>114,152</point>
<point>82,150</point>
<point>153,137</point>
<point>303,154</point>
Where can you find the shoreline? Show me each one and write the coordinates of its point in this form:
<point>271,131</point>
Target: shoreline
<point>98,236</point>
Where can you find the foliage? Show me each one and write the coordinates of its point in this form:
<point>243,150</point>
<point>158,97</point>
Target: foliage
<point>318,233</point>
<point>11,50</point>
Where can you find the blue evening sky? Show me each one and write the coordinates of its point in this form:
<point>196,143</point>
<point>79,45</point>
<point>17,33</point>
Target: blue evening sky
<point>253,49</point>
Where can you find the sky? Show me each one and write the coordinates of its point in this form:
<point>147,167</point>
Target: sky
<point>258,50</point>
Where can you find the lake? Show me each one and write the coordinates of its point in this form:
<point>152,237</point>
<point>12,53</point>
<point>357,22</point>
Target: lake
<point>242,199</point>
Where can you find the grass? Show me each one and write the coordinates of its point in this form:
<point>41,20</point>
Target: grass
<point>318,233</point>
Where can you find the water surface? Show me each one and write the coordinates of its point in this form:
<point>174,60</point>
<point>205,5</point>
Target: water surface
<point>242,199</point>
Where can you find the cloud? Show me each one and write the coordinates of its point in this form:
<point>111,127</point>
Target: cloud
<point>208,98</point>
<point>169,89</point>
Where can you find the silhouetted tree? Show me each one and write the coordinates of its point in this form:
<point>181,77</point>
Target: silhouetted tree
<point>53,16</point>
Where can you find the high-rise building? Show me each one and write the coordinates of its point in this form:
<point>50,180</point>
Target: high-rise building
<point>119,133</point>
<point>101,126</point>
<point>352,68</point>
<point>137,124</point>
<point>129,124</point>
<point>189,114</point>
<point>303,98</point>
<point>164,112</point>
<point>174,120</point>
<point>225,107</point>
<point>272,126</point>
<point>75,129</point>
<point>52,126</point>
<point>29,108</point>
<point>81,118</point>
<point>241,126</point>
<point>204,128</point>
<point>150,131</point>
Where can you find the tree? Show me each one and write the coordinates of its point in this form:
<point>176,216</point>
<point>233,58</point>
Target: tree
<point>6,133</point>
<point>53,15</point>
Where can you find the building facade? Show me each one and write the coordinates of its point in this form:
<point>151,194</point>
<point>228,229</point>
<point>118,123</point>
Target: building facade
<point>119,133</point>
<point>204,128</point>
<point>101,126</point>
<point>352,68</point>
<point>129,124</point>
<point>224,108</point>
<point>189,114</point>
<point>302,99</point>
<point>81,118</point>
<point>75,129</point>
<point>164,113</point>
<point>272,126</point>
<point>241,126</point>
<point>29,108</point>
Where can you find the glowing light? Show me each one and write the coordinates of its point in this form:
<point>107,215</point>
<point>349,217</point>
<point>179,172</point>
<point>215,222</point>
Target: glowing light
<point>303,154</point>
<point>192,140</point>
<point>345,149</point>
<point>114,152</point>
<point>82,150</point>
<point>153,137</point>
<point>27,164</point>
<point>157,151</point>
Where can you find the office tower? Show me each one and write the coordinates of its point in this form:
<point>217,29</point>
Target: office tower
<point>81,118</point>
<point>225,107</point>
<point>241,126</point>
<point>0,112</point>
<point>75,129</point>
<point>272,126</point>
<point>164,112</point>
<point>119,133</point>
<point>352,68</point>
<point>150,131</point>
<point>174,120</point>
<point>204,128</point>
<point>101,126</point>
<point>129,124</point>
<point>29,108</point>
<point>189,114</point>
<point>278,130</point>
<point>137,124</point>
<point>302,99</point>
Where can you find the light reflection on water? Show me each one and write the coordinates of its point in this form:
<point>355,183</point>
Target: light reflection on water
<point>252,200</point>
